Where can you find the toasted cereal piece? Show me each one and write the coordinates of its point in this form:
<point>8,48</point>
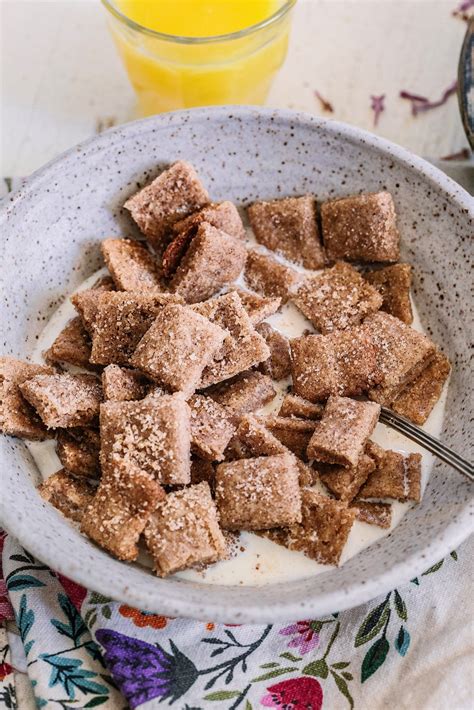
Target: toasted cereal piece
<point>120,509</point>
<point>259,493</point>
<point>86,302</point>
<point>64,400</point>
<point>278,365</point>
<point>288,227</point>
<point>293,433</point>
<point>394,283</point>
<point>17,416</point>
<point>418,399</point>
<point>221,215</point>
<point>213,260</point>
<point>258,307</point>
<point>122,319</point>
<point>184,531</point>
<point>78,450</point>
<point>245,393</point>
<point>403,353</point>
<point>69,495</point>
<point>123,385</point>
<point>266,275</point>
<point>202,470</point>
<point>243,347</point>
<point>211,428</point>
<point>295,406</point>
<point>344,363</point>
<point>395,476</point>
<point>379,514</point>
<point>323,531</point>
<point>177,348</point>
<point>345,483</point>
<point>336,299</point>
<point>253,438</point>
<point>342,433</point>
<point>132,266</point>
<point>361,228</point>
<point>174,194</point>
<point>72,345</point>
<point>153,435</point>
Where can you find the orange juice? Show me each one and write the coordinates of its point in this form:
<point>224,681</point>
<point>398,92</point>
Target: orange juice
<point>183,53</point>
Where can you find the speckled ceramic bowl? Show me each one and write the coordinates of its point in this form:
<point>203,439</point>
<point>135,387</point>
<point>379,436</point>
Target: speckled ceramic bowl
<point>50,243</point>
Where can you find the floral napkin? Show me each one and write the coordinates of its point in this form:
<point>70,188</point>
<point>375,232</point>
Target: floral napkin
<point>411,648</point>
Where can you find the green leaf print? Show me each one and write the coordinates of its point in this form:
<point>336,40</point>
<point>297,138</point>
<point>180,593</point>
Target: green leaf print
<point>222,695</point>
<point>274,674</point>
<point>374,658</point>
<point>319,669</point>
<point>372,623</point>
<point>343,688</point>
<point>400,606</point>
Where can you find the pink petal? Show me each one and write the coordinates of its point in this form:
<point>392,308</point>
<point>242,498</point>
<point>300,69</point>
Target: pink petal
<point>289,630</point>
<point>267,701</point>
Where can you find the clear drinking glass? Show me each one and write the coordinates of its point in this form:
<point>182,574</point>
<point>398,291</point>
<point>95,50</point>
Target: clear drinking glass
<point>170,72</point>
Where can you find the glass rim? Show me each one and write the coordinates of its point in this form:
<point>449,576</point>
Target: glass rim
<point>181,39</point>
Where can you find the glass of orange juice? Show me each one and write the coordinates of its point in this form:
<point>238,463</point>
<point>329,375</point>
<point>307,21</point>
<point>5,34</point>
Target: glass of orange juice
<point>183,53</point>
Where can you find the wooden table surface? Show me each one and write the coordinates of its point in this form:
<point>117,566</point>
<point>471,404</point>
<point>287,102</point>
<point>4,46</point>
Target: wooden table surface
<point>62,79</point>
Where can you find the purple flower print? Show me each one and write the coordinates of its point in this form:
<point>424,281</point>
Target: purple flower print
<point>307,636</point>
<point>144,671</point>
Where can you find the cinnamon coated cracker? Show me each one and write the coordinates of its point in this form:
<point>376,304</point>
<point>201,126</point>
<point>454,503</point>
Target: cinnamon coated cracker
<point>211,428</point>
<point>344,483</point>
<point>417,400</point>
<point>295,406</point>
<point>323,531</point>
<point>78,450</point>
<point>268,276</point>
<point>174,194</point>
<point>289,227</point>
<point>184,531</point>
<point>394,283</point>
<point>258,493</point>
<point>119,511</point>
<point>379,514</point>
<point>86,302</point>
<point>278,365</point>
<point>343,431</point>
<point>132,266</point>
<point>244,393</point>
<point>64,400</point>
<point>361,228</point>
<point>336,299</point>
<point>123,384</point>
<point>69,495</point>
<point>396,475</point>
<point>72,345</point>
<point>258,307</point>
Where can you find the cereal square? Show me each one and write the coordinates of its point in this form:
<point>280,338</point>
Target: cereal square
<point>243,347</point>
<point>122,384</point>
<point>293,433</point>
<point>336,299</point>
<point>379,514</point>
<point>69,495</point>
<point>212,260</point>
<point>152,435</point>
<point>64,400</point>
<point>278,365</point>
<point>394,283</point>
<point>402,355</point>
<point>258,307</point>
<point>244,393</point>
<point>221,215</point>
<point>288,227</point>
<point>86,302</point>
<point>211,428</point>
<point>342,433</point>
<point>119,511</point>
<point>78,450</point>
<point>395,476</point>
<point>295,406</point>
<point>131,265</point>
<point>253,438</point>
<point>418,399</point>
<point>122,319</point>
<point>184,531</point>
<point>344,363</point>
<point>177,348</point>
<point>72,345</point>
<point>259,493</point>
<point>268,276</point>
<point>174,194</point>
<point>17,416</point>
<point>323,531</point>
<point>361,228</point>
<point>345,483</point>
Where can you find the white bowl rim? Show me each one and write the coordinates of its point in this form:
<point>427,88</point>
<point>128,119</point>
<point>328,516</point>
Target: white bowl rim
<point>453,535</point>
